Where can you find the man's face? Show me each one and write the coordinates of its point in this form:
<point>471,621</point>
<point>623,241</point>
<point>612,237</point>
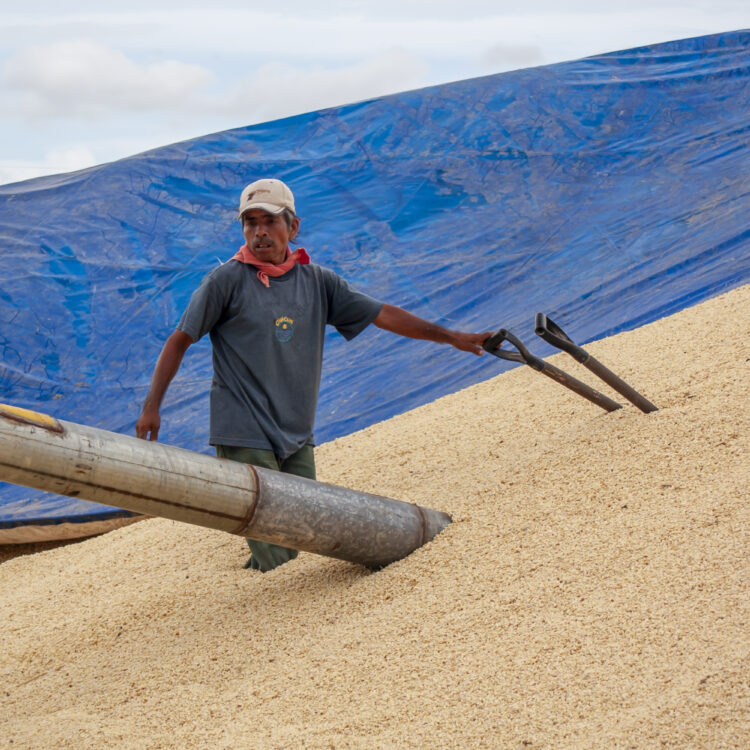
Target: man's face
<point>268,236</point>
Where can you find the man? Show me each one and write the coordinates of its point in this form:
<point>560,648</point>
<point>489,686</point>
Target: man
<point>266,311</point>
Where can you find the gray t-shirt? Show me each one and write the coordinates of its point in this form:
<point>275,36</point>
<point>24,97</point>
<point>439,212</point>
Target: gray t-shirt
<point>268,349</point>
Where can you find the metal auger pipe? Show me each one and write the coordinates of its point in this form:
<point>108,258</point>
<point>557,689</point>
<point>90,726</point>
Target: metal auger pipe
<point>160,480</point>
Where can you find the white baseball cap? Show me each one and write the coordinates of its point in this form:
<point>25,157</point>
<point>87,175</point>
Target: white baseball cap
<point>268,195</point>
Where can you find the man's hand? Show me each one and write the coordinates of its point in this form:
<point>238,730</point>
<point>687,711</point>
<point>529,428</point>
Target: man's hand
<point>469,342</point>
<point>398,320</point>
<point>147,426</point>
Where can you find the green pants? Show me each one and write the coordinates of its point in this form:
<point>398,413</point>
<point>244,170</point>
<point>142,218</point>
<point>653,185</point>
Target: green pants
<point>267,556</point>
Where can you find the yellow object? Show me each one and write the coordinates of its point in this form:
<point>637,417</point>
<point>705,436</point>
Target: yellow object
<point>30,417</point>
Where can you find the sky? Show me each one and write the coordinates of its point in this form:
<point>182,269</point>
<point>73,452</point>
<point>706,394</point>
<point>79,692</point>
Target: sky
<point>98,81</point>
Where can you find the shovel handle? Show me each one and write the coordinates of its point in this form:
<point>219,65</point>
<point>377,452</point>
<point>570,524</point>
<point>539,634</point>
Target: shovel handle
<point>523,355</point>
<point>547,329</point>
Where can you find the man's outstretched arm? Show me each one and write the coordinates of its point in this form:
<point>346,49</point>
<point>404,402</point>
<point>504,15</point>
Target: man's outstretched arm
<point>398,320</point>
<point>147,426</point>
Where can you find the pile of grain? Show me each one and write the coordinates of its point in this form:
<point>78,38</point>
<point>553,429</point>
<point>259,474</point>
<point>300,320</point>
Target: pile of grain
<point>592,591</point>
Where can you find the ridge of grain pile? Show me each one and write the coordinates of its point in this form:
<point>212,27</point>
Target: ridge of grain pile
<point>592,591</point>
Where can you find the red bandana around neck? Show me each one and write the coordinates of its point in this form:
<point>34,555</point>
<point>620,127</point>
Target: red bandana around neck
<point>270,269</point>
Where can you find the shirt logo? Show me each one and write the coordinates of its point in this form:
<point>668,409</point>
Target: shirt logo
<point>284,329</point>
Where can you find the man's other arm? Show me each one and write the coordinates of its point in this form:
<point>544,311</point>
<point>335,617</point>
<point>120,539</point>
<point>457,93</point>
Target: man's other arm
<point>147,426</point>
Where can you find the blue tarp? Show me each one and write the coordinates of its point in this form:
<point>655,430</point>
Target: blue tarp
<point>608,192</point>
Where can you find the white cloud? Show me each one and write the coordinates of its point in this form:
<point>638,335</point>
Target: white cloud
<point>86,78</point>
<point>83,77</point>
<point>520,55</point>
<point>56,161</point>
<point>278,89</point>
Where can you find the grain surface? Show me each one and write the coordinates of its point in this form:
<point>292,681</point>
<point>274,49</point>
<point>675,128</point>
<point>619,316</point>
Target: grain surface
<point>591,592</point>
